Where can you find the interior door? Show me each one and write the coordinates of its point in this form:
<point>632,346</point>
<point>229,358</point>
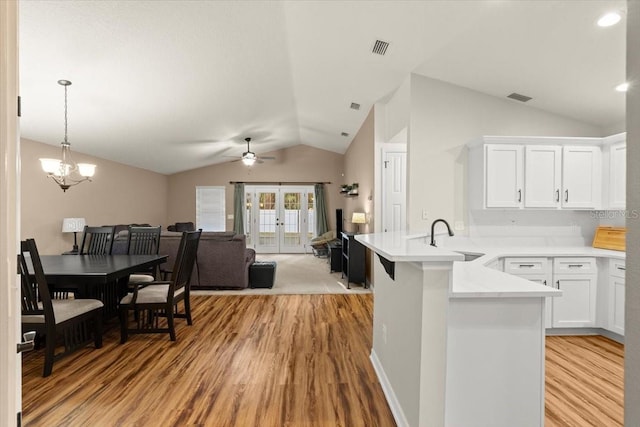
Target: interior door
<point>394,190</point>
<point>279,219</point>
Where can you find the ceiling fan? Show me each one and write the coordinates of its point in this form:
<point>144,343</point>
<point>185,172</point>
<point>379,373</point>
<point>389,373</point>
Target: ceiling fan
<point>249,157</point>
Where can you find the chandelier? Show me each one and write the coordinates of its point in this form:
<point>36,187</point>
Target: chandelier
<point>66,172</point>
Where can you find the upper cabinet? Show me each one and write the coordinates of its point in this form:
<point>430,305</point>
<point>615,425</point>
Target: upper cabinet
<point>543,176</point>
<point>541,173</point>
<point>581,177</point>
<point>617,175</point>
<point>504,175</point>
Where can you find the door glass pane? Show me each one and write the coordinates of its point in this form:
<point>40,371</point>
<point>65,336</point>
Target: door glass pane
<point>311,215</point>
<point>268,221</point>
<point>248,218</point>
<point>292,219</point>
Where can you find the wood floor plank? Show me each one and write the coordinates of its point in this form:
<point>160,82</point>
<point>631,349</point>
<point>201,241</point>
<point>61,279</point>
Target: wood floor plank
<point>299,360</point>
<point>584,382</point>
<point>286,360</point>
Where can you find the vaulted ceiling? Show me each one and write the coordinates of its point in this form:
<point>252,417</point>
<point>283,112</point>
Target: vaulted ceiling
<point>174,85</point>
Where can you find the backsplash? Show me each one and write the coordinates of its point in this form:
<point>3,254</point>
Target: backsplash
<point>553,227</point>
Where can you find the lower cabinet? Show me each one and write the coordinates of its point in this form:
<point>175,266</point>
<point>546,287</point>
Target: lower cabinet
<point>576,277</point>
<point>615,312</point>
<point>576,308</point>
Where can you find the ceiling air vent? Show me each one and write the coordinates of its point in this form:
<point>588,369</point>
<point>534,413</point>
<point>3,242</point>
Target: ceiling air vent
<point>519,97</point>
<point>355,106</point>
<point>344,134</point>
<point>380,47</point>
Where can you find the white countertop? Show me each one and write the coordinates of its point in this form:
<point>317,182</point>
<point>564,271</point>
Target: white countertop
<point>472,279</point>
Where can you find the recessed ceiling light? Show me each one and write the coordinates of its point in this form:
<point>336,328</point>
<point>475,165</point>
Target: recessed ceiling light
<point>609,19</point>
<point>623,87</point>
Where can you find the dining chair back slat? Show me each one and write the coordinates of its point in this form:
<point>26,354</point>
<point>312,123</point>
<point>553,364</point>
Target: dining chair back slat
<point>97,240</point>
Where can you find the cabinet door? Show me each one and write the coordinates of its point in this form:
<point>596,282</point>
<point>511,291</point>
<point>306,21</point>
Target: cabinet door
<point>503,175</point>
<point>616,305</point>
<point>618,176</point>
<point>543,176</point>
<point>576,307</point>
<point>581,175</point>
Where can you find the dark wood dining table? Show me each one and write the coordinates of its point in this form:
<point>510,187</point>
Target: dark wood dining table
<point>102,277</point>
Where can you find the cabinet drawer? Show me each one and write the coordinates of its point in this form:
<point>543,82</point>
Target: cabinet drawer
<point>617,268</point>
<point>574,266</point>
<point>526,266</point>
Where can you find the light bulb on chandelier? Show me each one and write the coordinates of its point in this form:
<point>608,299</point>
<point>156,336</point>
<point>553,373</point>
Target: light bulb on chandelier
<point>65,172</point>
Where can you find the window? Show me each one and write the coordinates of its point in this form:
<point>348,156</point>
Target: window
<point>210,212</point>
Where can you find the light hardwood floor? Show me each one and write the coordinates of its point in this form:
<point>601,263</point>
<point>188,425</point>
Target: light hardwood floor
<point>286,360</point>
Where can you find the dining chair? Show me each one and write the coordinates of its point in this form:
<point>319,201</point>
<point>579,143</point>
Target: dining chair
<point>160,298</point>
<point>97,240</point>
<point>67,323</point>
<point>143,241</point>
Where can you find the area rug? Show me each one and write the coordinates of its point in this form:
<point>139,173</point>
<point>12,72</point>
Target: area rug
<point>297,274</point>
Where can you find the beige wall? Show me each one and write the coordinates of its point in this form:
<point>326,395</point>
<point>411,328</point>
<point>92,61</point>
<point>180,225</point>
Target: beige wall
<point>119,194</point>
<point>300,163</point>
<point>358,166</point>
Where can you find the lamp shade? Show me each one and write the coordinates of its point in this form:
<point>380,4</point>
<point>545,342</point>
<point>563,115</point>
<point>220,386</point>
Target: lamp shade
<point>358,218</point>
<point>70,225</point>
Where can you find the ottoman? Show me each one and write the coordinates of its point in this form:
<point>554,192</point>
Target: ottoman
<point>262,274</point>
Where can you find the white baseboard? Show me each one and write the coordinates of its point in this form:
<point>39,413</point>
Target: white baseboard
<point>392,400</point>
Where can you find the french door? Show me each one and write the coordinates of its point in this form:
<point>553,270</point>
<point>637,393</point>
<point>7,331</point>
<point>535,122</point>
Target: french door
<point>279,219</point>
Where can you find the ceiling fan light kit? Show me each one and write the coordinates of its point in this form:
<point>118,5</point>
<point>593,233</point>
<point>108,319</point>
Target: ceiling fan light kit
<point>249,157</point>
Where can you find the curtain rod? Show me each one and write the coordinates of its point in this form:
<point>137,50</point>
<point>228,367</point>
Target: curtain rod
<point>279,183</point>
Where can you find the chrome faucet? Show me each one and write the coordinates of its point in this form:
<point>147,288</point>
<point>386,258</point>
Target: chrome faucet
<point>433,225</point>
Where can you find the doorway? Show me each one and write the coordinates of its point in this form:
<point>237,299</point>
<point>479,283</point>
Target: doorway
<point>279,219</point>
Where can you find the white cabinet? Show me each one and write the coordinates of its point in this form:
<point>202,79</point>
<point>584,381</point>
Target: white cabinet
<point>581,177</point>
<point>543,176</point>
<point>615,310</point>
<point>577,279</point>
<point>537,270</point>
<point>618,176</point>
<point>535,175</point>
<point>503,175</point>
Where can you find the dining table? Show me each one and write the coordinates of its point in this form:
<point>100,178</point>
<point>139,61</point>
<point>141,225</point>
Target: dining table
<point>101,277</point>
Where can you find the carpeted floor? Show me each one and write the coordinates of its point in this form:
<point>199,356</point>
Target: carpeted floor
<point>298,274</point>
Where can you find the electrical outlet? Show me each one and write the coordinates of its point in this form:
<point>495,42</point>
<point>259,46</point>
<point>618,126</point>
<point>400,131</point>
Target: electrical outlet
<point>425,214</point>
<point>384,333</point>
<point>459,225</point>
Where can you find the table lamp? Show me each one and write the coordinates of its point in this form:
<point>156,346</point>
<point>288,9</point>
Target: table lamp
<point>73,225</point>
<point>358,218</point>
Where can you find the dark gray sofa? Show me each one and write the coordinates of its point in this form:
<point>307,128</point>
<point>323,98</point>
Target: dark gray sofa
<point>223,259</point>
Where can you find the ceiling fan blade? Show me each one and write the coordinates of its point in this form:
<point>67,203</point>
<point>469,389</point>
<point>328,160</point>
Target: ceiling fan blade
<point>267,157</point>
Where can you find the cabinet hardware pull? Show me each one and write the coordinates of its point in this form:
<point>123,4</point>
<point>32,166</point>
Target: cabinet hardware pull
<point>519,195</point>
<point>621,268</point>
<point>558,284</point>
<point>566,195</point>
<point>558,195</point>
<point>575,265</point>
<point>544,283</point>
<point>526,265</point>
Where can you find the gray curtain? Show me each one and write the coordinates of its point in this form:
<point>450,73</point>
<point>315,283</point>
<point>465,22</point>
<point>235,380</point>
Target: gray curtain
<point>322,226</point>
<point>238,209</point>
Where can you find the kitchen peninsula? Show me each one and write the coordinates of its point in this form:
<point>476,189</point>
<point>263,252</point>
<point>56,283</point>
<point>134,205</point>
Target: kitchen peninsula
<point>455,343</point>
